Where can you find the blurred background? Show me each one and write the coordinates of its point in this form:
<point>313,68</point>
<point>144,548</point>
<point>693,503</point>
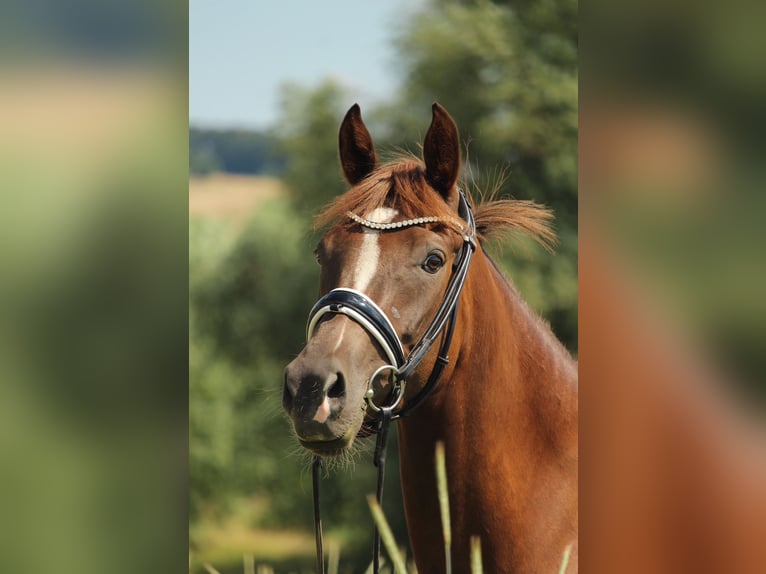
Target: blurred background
<point>269,86</point>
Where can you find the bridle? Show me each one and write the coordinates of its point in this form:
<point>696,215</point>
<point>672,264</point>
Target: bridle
<point>364,311</point>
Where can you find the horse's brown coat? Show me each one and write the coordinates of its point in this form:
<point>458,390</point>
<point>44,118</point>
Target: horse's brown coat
<point>507,411</point>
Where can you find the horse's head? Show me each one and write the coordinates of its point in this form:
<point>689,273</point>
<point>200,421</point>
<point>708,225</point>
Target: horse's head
<point>395,236</point>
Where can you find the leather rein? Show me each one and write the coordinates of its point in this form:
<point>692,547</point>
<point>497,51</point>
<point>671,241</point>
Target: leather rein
<point>372,318</point>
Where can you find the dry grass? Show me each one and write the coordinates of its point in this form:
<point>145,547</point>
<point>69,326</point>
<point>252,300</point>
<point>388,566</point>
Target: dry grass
<point>223,541</point>
<point>229,197</point>
<point>220,541</point>
<point>79,112</point>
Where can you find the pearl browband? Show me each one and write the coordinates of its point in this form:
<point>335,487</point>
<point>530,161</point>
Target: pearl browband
<point>399,224</point>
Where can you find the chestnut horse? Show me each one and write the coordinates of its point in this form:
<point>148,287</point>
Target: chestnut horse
<point>506,406</point>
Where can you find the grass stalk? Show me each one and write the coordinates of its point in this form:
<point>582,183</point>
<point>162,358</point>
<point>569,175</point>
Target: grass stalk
<point>441,486</point>
<point>333,558</point>
<point>476,565</point>
<point>386,535</point>
<point>565,559</point>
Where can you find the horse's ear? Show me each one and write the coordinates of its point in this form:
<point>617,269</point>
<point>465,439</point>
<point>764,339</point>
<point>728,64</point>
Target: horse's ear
<point>357,152</point>
<point>441,152</point>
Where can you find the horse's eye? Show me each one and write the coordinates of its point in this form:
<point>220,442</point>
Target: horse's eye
<point>316,255</point>
<point>433,262</point>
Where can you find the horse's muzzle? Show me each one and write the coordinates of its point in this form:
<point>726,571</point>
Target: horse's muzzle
<point>314,397</point>
<point>328,447</point>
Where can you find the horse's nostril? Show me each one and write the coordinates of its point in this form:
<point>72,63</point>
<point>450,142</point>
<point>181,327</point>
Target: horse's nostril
<point>287,396</point>
<point>338,388</point>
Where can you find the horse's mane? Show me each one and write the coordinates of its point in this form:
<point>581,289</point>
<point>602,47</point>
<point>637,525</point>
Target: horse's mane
<point>401,184</point>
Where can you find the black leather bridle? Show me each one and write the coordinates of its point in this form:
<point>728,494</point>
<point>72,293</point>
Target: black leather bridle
<point>372,318</point>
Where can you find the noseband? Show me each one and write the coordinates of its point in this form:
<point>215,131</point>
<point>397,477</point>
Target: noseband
<point>364,311</point>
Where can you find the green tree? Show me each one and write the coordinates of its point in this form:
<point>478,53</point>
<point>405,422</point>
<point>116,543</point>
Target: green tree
<point>507,73</point>
<point>309,128</point>
<point>234,151</point>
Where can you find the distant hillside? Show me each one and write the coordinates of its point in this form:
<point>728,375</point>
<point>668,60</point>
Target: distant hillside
<point>234,151</point>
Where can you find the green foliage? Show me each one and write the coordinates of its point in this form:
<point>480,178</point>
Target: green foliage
<point>254,306</point>
<point>213,384</point>
<point>507,73</point>
<point>309,128</point>
<point>244,322</point>
<point>249,296</point>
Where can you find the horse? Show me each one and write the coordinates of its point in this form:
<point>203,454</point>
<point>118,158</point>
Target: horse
<point>506,406</point>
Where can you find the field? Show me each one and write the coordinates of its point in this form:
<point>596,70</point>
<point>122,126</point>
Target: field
<point>229,197</point>
<point>224,542</point>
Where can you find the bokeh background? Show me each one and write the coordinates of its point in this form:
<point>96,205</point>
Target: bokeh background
<point>672,276</point>
<point>93,283</point>
<point>507,74</point>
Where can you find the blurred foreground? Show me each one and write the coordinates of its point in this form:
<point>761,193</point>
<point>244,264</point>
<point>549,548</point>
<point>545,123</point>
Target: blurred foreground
<point>673,321</point>
<point>92,287</point>
<point>93,330</point>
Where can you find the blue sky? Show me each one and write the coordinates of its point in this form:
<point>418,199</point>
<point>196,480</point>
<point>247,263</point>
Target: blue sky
<point>242,51</point>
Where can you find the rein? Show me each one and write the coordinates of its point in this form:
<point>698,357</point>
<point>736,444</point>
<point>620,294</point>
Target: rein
<point>372,318</point>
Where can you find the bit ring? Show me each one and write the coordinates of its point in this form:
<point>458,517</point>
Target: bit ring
<point>398,385</point>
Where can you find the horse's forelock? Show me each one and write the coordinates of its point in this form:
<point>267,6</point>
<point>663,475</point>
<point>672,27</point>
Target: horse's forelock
<point>401,184</point>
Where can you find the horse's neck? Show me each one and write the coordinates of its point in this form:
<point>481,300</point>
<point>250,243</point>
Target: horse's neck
<point>507,402</point>
<point>507,367</point>
<point>530,374</point>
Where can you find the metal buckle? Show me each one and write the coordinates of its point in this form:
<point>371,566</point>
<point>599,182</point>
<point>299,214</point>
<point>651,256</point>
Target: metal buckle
<point>399,385</point>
